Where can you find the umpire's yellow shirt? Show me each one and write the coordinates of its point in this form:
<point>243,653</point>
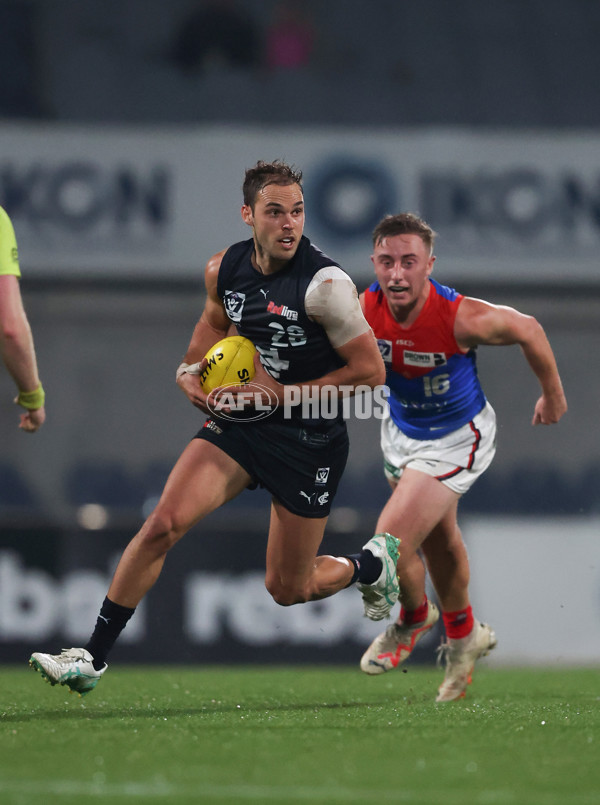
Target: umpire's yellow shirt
<point>9,254</point>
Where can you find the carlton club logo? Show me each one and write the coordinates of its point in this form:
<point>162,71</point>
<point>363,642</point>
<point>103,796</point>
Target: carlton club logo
<point>247,405</point>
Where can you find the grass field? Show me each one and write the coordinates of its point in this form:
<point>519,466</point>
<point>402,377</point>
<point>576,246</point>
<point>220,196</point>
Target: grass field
<point>301,735</point>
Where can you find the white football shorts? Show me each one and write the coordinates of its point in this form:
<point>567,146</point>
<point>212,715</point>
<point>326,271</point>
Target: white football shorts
<point>457,459</point>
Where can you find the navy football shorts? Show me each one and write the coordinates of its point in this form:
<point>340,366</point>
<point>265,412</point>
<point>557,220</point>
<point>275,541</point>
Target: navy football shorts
<point>301,467</point>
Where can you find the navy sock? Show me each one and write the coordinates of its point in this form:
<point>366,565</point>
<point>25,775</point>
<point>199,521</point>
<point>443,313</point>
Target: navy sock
<point>367,568</point>
<point>109,625</point>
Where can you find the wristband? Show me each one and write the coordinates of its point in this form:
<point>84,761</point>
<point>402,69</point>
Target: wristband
<point>32,400</point>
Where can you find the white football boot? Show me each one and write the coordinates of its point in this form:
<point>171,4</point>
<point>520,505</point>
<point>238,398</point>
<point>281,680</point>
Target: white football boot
<point>72,667</point>
<point>394,646</point>
<point>380,597</point>
<point>460,656</point>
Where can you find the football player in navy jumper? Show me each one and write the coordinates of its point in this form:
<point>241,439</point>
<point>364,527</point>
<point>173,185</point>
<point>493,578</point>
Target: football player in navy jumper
<point>303,314</point>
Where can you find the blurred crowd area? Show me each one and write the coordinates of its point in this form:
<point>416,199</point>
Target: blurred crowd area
<point>530,63</point>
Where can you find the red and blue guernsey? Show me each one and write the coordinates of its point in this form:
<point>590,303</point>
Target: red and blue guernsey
<point>434,387</point>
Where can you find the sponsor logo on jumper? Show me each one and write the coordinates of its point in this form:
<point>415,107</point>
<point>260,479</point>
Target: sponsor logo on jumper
<point>234,304</point>
<point>263,292</point>
<point>322,475</point>
<point>424,358</point>
<point>282,310</point>
<point>405,342</point>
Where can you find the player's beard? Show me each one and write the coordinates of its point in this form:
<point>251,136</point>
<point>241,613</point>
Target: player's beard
<point>265,255</point>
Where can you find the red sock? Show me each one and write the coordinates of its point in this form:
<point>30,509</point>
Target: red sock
<point>418,615</point>
<point>458,624</point>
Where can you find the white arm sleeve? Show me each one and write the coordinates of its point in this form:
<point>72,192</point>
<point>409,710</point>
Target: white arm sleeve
<point>332,301</point>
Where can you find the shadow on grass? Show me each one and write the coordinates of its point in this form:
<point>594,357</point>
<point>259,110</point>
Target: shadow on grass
<point>146,712</point>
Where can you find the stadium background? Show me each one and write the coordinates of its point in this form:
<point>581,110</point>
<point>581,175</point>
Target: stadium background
<point>121,159</point>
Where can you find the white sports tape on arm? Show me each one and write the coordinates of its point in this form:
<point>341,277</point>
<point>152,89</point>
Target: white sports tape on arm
<point>186,368</point>
<point>332,300</point>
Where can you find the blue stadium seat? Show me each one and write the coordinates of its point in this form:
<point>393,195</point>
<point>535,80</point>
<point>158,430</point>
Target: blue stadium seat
<point>367,490</point>
<point>486,496</point>
<point>586,490</point>
<point>14,490</point>
<point>539,489</point>
<point>106,483</point>
<point>154,477</point>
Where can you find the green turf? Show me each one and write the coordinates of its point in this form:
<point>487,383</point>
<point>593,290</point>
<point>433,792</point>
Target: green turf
<point>301,735</point>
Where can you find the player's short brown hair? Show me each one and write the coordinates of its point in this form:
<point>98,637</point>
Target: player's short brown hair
<point>405,223</point>
<point>264,173</point>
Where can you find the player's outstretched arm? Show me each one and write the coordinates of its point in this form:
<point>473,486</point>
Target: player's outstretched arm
<point>479,322</point>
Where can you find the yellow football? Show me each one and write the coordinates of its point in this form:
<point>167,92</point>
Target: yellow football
<point>230,362</point>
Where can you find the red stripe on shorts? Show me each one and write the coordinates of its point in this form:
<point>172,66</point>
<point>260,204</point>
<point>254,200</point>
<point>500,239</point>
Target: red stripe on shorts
<point>471,460</point>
